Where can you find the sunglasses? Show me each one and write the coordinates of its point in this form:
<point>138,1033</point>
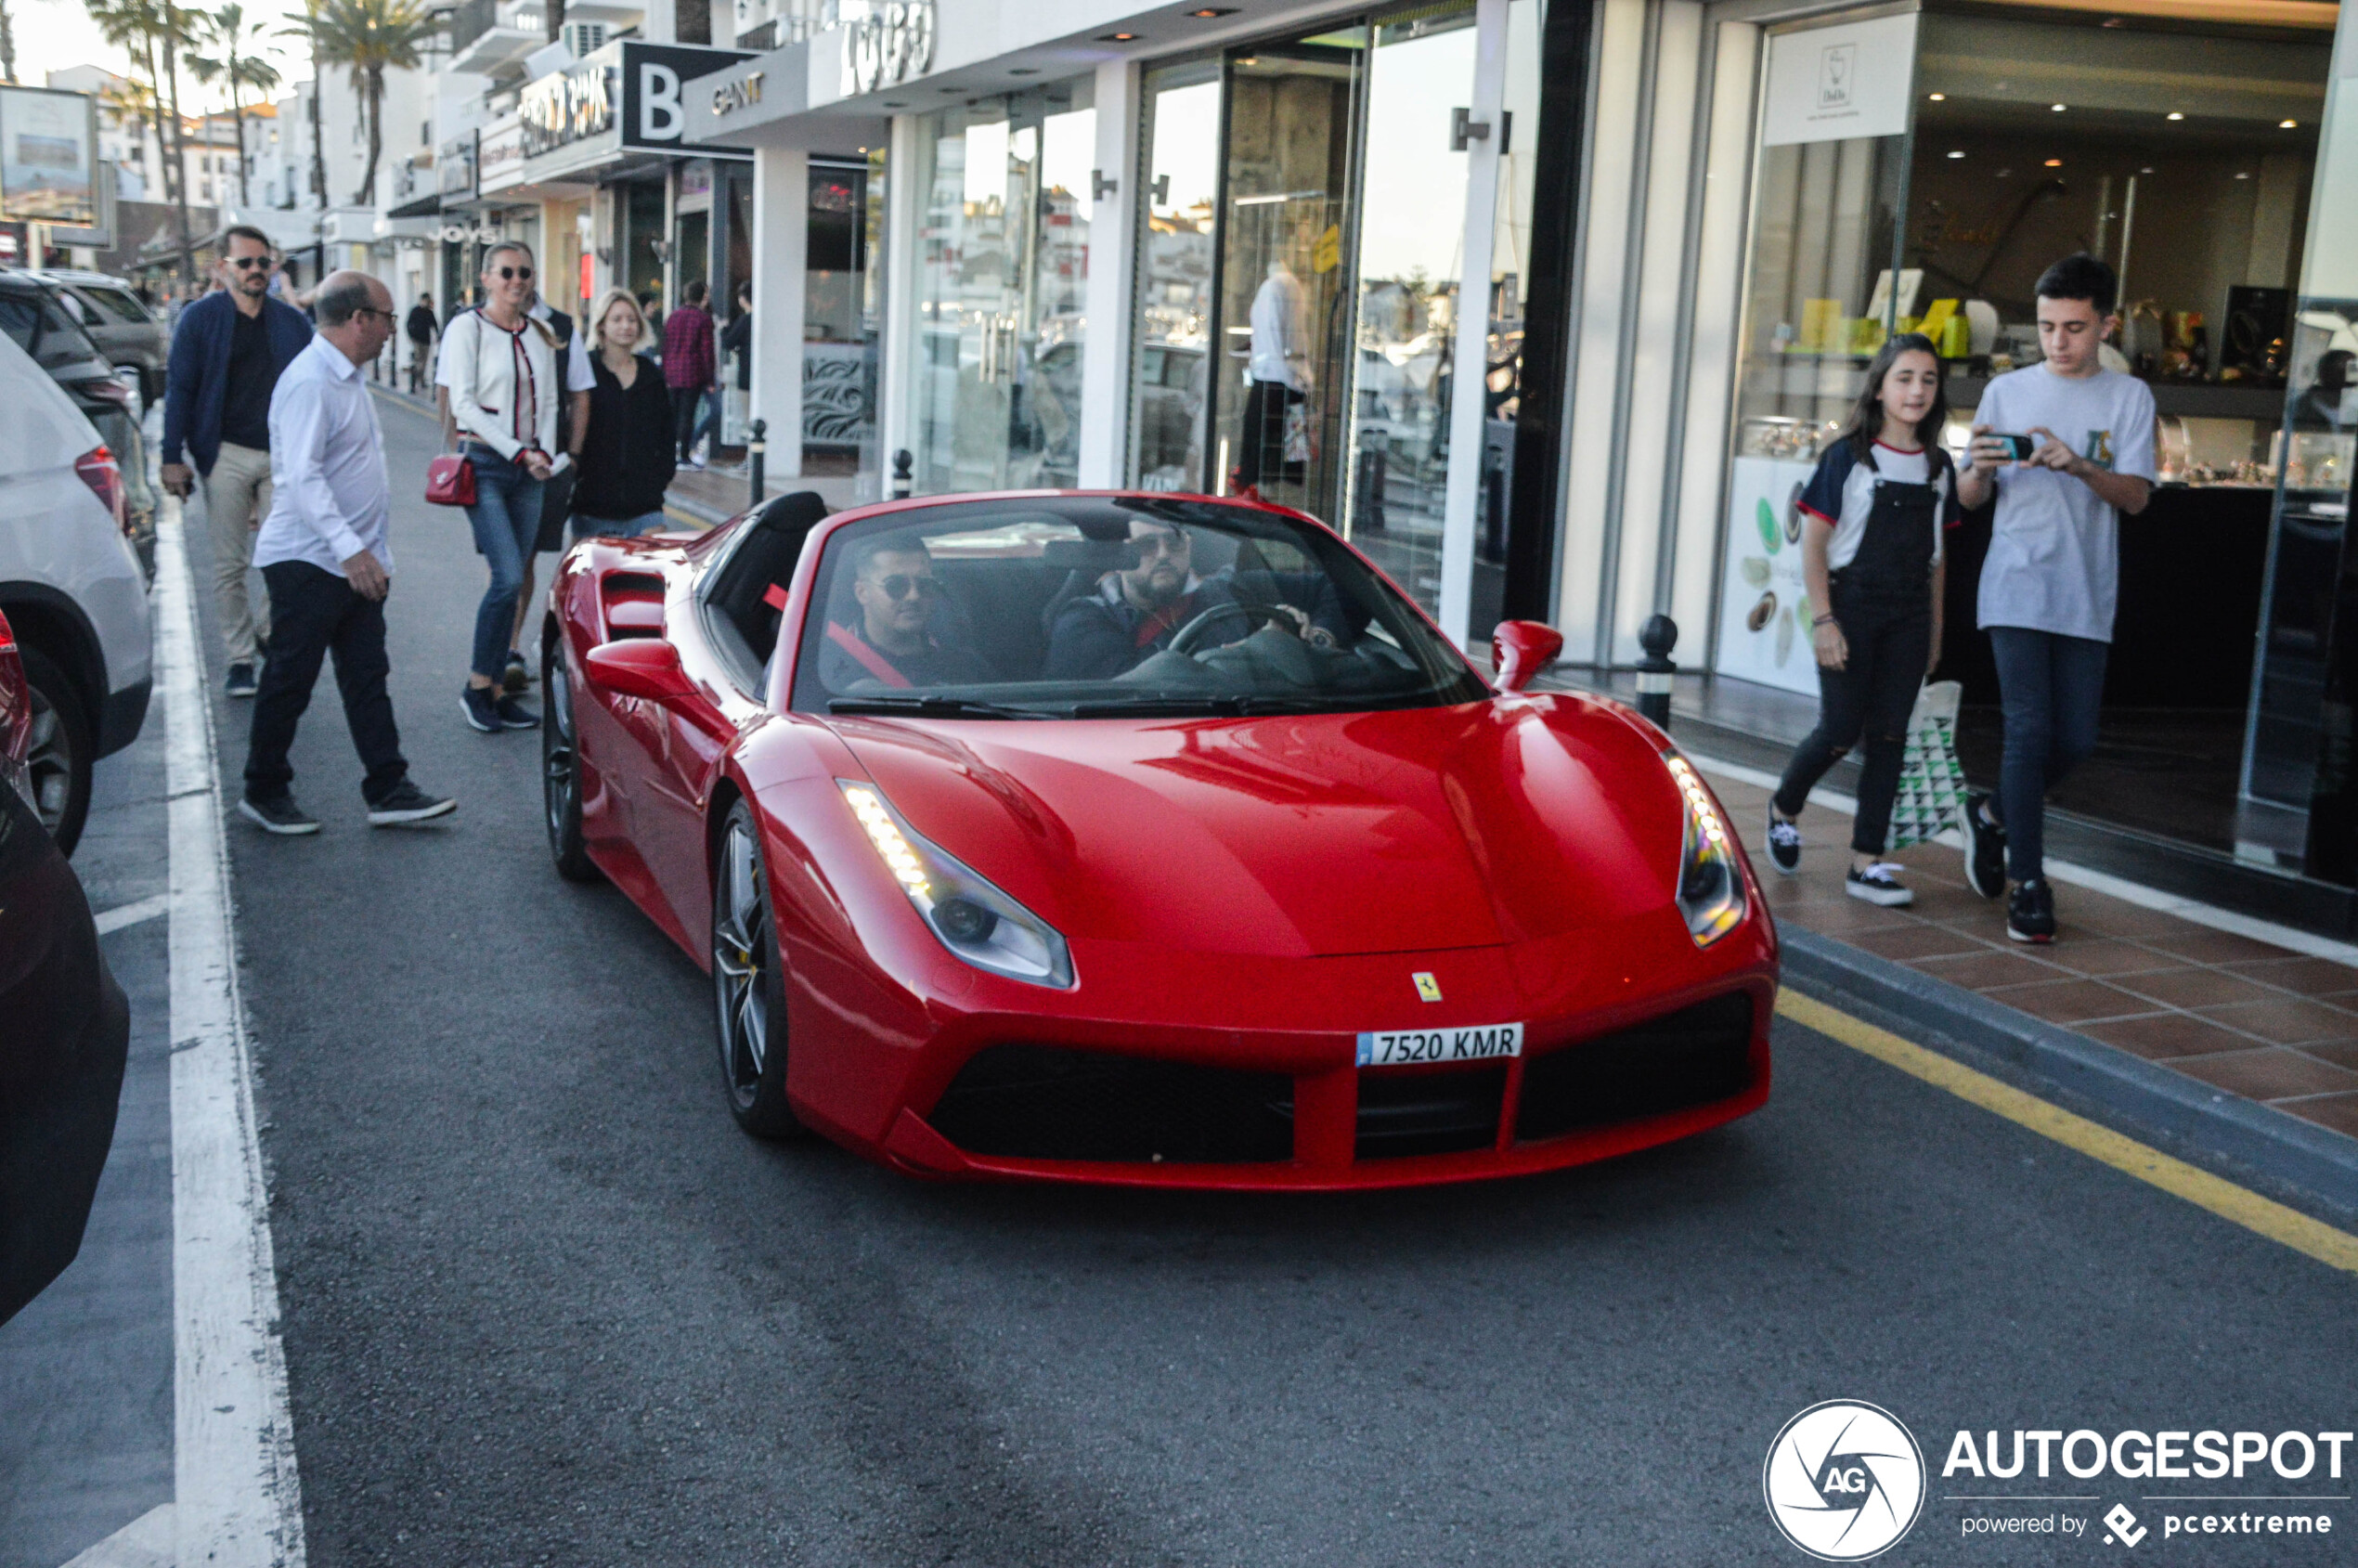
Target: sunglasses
<point>248,264</point>
<point>1159,543</point>
<point>901,585</point>
<point>523,272</point>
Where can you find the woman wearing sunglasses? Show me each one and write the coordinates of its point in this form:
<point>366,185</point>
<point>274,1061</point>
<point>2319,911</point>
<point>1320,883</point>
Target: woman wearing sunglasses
<point>500,369</point>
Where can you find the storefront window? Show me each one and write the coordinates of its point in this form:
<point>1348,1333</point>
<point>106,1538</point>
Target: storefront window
<point>1510,289</point>
<point>1002,278</point>
<point>836,418</point>
<point>1168,376</point>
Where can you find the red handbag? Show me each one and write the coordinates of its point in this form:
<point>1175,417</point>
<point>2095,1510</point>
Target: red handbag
<point>450,481</point>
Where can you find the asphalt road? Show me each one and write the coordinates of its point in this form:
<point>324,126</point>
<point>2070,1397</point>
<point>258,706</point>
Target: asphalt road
<point>543,1303</point>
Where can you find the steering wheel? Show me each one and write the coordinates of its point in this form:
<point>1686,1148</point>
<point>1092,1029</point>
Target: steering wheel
<point>1185,640</point>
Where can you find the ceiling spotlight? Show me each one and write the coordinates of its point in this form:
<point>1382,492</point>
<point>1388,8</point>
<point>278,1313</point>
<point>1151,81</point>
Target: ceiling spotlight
<point>2147,170</point>
<point>2114,21</point>
<point>2175,115</point>
<point>1940,97</point>
<point>896,103</point>
<point>1117,38</point>
<point>1211,11</point>
<point>2288,124</point>
<point>2055,162</point>
<point>1023,70</point>
<point>1959,153</point>
<point>2243,176</point>
<point>2056,107</point>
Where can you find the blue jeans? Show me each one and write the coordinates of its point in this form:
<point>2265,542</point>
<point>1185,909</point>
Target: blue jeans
<point>586,526</point>
<point>2051,688</point>
<point>507,519</point>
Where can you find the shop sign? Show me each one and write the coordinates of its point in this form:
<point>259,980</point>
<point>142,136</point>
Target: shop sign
<point>892,43</point>
<point>499,158</point>
<point>566,107</point>
<point>456,166</point>
<point>1764,614</point>
<point>48,170</point>
<point>742,93</point>
<point>1832,83</point>
<point>655,76</point>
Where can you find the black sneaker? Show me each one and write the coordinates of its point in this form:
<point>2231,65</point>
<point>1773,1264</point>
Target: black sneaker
<point>408,803</point>
<point>281,815</point>
<point>241,683</point>
<point>515,677</point>
<point>1784,844</point>
<point>2030,913</point>
<point>1878,885</point>
<point>1985,845</point>
<point>477,702</point>
<point>513,715</point>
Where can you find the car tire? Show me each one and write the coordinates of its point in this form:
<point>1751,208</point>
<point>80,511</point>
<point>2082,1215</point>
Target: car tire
<point>64,752</point>
<point>561,771</point>
<point>749,985</point>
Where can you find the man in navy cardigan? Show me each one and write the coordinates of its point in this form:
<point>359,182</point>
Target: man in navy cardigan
<point>226,353</point>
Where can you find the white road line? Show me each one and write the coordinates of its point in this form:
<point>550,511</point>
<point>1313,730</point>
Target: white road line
<point>2095,881</point>
<point>115,919</point>
<point>238,1501</point>
<point>146,1542</point>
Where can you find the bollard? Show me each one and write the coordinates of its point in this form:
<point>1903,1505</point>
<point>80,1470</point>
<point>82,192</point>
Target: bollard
<point>903,468</point>
<point>756,455</point>
<point>1657,637</point>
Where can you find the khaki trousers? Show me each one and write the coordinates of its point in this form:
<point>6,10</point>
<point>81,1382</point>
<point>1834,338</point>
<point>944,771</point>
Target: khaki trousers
<point>237,497</point>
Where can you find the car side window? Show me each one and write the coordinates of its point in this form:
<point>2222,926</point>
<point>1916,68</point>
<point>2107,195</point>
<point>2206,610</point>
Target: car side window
<point>123,308</point>
<point>21,318</point>
<point>62,339</point>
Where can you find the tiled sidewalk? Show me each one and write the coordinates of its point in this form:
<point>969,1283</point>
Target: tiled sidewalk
<point>2240,1015</point>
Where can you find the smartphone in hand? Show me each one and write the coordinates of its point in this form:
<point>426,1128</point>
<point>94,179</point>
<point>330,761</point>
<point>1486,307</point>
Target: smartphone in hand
<point>2017,448</point>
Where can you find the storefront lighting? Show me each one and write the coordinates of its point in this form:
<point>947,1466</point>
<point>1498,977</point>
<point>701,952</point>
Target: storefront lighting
<point>1211,11</point>
<point>2242,176</point>
<point>1117,38</point>
<point>2056,107</point>
<point>1959,152</point>
<point>2055,162</point>
<point>2288,124</point>
<point>1940,97</point>
<point>2175,115</point>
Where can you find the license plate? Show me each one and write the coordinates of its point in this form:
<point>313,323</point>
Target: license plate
<point>1407,1047</point>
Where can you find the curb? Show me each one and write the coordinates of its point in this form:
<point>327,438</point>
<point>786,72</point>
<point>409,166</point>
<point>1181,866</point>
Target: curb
<point>2274,1144</point>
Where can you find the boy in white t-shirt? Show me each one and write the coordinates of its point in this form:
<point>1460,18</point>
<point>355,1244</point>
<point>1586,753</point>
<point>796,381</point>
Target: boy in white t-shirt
<point>2052,579</point>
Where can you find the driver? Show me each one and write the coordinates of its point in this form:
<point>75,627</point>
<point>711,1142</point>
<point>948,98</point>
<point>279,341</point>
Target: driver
<point>893,641</point>
<point>1136,611</point>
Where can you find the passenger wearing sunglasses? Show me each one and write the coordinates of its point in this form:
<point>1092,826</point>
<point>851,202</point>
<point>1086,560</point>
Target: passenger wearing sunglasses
<point>897,640</point>
<point>227,351</point>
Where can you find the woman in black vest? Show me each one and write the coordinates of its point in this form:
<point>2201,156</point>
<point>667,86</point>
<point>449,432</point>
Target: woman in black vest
<point>627,460</point>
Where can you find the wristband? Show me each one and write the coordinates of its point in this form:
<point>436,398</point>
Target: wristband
<point>1822,620</point>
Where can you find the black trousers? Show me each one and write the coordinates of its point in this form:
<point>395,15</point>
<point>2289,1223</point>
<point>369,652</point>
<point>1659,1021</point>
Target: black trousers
<point>1262,456</point>
<point>314,613</point>
<point>1873,695</point>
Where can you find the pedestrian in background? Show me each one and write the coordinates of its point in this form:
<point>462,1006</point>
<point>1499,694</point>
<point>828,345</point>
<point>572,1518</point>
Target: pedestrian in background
<point>736,339</point>
<point>227,352</point>
<point>324,553</point>
<point>2052,579</point>
<point>556,499</point>
<point>689,368</point>
<point>499,368</point>
<point>627,457</point>
<point>1874,514</point>
<point>422,326</point>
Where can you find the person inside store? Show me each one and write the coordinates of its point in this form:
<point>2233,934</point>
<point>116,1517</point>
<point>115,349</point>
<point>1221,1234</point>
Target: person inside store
<point>736,338</point>
<point>893,639</point>
<point>419,327</point>
<point>228,351</point>
<point>1877,509</point>
<point>2329,403</point>
<point>2051,582</point>
<point>627,457</point>
<point>499,370</point>
<point>1278,372</point>
<point>690,369</point>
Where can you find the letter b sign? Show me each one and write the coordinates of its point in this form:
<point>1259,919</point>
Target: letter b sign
<point>659,115</point>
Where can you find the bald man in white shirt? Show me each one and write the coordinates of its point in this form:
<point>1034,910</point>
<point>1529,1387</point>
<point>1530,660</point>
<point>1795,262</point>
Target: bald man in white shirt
<point>323,553</point>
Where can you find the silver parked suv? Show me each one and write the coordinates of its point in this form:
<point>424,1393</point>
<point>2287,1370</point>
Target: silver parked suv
<point>71,587</point>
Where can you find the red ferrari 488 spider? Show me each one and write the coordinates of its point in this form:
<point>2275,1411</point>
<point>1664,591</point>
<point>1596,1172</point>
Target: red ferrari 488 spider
<point>1143,838</point>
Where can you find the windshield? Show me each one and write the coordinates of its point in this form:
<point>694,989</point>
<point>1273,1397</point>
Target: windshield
<point>1084,606</point>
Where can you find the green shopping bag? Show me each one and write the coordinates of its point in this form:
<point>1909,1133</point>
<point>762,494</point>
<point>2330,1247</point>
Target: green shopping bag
<point>1932,782</point>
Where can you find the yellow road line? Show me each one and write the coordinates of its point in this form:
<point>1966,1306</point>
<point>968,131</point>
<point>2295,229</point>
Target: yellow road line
<point>2290,1226</point>
<point>685,518</point>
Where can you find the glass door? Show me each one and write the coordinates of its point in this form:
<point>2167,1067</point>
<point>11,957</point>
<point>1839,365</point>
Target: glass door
<point>1409,255</point>
<point>1169,379</point>
<point>1001,276</point>
<point>1278,369</point>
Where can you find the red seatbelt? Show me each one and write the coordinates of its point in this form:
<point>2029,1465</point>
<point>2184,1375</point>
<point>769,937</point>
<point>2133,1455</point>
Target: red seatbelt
<point>869,660</point>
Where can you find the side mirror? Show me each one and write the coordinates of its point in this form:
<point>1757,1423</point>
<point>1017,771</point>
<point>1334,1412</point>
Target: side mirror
<point>641,666</point>
<point>1522,649</point>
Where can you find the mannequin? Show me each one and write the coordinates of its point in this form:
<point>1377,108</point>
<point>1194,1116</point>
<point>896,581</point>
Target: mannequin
<point>1277,376</point>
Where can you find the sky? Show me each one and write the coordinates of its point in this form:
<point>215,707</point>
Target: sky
<point>52,35</point>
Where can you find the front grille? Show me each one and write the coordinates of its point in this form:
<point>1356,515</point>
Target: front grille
<point>1447,1112</point>
<point>1034,1102</point>
<point>1689,1058</point>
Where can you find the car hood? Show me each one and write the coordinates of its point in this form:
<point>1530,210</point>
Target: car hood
<point>1412,830</point>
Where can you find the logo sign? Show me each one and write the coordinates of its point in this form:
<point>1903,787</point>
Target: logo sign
<point>1427,986</point>
<point>456,166</point>
<point>892,43</point>
<point>565,106</point>
<point>731,96</point>
<point>1844,1481</point>
<point>655,79</point>
<point>500,157</point>
<point>1840,81</point>
<point>1837,68</point>
<point>2126,1531</point>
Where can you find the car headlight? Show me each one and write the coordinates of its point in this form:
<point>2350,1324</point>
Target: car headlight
<point>975,920</point>
<point>1711,886</point>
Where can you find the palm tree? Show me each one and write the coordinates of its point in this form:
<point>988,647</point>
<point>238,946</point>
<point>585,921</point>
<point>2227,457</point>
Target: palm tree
<point>225,30</point>
<point>144,28</point>
<point>369,38</point>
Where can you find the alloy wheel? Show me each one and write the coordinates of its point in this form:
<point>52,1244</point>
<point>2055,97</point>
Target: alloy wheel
<point>50,763</point>
<point>740,966</point>
<point>561,780</point>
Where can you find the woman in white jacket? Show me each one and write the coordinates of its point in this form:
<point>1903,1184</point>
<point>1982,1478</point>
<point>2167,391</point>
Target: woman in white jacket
<point>500,366</point>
